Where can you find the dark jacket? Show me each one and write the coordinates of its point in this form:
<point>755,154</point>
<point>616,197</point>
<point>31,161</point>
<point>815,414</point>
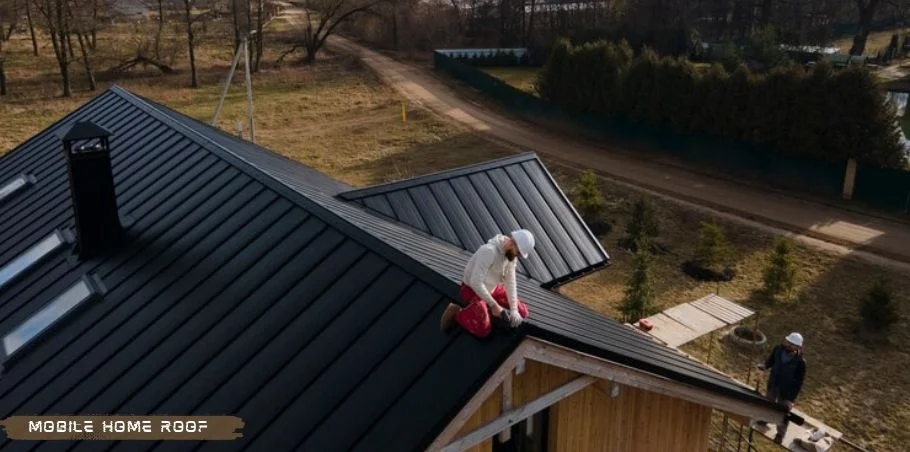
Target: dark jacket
<point>786,377</point>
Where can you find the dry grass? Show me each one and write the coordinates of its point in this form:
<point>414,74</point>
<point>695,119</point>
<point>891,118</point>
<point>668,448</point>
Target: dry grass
<point>855,385</point>
<point>334,115</point>
<point>523,78</point>
<point>876,41</point>
<point>337,117</point>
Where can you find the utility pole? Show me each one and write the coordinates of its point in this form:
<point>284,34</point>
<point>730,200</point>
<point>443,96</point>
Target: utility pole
<point>244,47</point>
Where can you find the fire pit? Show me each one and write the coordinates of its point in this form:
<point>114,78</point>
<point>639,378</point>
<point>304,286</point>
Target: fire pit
<point>746,337</point>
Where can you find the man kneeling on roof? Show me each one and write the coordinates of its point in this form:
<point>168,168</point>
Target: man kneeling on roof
<point>492,266</point>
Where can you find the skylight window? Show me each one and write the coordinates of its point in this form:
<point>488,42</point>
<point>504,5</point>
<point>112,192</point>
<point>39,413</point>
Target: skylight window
<point>49,315</point>
<point>13,186</point>
<point>30,256</point>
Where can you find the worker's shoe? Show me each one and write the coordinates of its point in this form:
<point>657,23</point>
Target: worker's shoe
<point>504,320</point>
<point>448,316</point>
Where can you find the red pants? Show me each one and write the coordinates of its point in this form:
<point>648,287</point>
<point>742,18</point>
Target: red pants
<point>475,318</point>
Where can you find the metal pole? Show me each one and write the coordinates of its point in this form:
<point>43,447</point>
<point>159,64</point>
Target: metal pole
<point>249,87</point>
<point>227,84</point>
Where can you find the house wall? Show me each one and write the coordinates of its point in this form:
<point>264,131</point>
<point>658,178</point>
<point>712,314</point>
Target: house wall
<point>592,420</point>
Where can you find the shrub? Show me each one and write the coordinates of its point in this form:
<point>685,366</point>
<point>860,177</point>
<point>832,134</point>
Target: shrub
<point>712,251</point>
<point>643,222</point>
<point>763,49</point>
<point>780,274</point>
<point>639,294</point>
<point>878,307</point>
<point>589,201</point>
<point>787,110</point>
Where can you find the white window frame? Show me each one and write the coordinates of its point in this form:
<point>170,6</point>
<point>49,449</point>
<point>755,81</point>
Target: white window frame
<point>14,186</point>
<point>50,315</point>
<point>37,252</point>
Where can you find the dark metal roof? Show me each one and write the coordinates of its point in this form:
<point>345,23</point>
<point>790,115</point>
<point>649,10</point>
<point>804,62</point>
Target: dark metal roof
<point>241,292</point>
<point>83,130</point>
<point>554,317</point>
<point>466,206</point>
<point>235,295</point>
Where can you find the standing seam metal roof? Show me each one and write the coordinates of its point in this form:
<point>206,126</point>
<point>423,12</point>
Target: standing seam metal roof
<point>554,316</point>
<point>235,295</point>
<point>468,205</point>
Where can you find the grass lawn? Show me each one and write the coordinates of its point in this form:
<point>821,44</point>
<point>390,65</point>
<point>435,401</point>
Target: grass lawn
<point>522,78</point>
<point>339,118</point>
<point>855,386</point>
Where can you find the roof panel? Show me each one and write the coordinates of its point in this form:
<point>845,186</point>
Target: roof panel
<point>379,204</point>
<point>406,210</point>
<point>468,236</point>
<point>438,224</point>
<point>245,276</point>
<point>496,197</point>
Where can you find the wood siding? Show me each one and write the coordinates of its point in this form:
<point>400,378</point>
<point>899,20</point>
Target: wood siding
<point>592,420</point>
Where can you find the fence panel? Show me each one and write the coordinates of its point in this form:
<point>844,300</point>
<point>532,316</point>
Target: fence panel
<point>888,189</point>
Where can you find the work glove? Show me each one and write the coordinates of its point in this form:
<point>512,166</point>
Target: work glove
<point>514,318</point>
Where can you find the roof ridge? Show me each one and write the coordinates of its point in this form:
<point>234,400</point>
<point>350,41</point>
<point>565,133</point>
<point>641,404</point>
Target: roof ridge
<point>407,263</point>
<point>437,176</point>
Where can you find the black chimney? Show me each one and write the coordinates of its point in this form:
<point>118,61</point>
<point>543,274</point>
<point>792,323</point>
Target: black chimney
<point>88,157</point>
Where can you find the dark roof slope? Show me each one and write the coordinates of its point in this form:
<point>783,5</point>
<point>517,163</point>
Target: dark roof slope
<point>235,295</point>
<point>466,206</point>
<point>554,317</point>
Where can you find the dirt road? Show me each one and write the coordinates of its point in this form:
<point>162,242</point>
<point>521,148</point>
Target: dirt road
<point>840,231</point>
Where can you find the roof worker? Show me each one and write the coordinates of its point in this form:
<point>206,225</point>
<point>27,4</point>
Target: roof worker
<point>788,371</point>
<point>488,286</point>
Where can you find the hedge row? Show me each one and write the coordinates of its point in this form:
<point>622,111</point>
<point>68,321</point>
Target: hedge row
<point>820,113</point>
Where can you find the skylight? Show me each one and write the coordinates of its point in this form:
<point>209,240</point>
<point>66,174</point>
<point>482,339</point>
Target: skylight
<point>30,256</point>
<point>14,186</point>
<point>48,316</point>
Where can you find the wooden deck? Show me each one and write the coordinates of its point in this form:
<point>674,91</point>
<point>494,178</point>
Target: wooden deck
<point>686,322</point>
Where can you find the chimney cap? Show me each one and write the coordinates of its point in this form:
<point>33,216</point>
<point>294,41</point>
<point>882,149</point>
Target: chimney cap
<point>84,130</point>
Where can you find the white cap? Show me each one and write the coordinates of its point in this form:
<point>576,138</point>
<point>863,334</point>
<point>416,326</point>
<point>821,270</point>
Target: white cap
<point>795,339</point>
<point>524,240</point>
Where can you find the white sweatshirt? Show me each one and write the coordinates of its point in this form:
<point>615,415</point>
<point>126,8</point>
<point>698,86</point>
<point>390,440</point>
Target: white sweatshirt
<point>489,267</point>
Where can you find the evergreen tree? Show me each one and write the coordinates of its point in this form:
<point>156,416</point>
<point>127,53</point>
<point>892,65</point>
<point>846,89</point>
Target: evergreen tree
<point>637,303</point>
<point>587,196</point>
<point>878,307</point>
<point>712,251</point>
<point>780,274</point>
<point>643,223</point>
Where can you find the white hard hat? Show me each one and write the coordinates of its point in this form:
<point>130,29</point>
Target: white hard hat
<point>524,240</point>
<point>795,339</point>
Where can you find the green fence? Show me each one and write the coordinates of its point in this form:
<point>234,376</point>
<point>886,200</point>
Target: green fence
<point>887,189</point>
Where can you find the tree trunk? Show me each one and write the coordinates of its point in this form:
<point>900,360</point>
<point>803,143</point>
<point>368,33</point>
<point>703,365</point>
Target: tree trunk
<point>69,43</point>
<point>31,26</point>
<point>64,53</point>
<point>190,44</point>
<point>2,73</point>
<point>160,29</point>
<point>93,43</point>
<point>85,62</point>
<point>259,24</point>
<point>529,33</point>
<point>502,23</point>
<point>394,27</point>
<point>311,49</point>
<point>235,21</point>
<point>866,14</point>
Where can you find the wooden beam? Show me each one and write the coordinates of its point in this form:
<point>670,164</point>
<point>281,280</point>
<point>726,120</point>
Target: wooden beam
<point>519,414</point>
<point>520,368</point>
<point>480,397</point>
<point>506,434</point>
<point>555,355</point>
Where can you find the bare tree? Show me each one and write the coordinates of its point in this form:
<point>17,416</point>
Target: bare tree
<point>55,21</point>
<point>326,15</point>
<point>82,18</point>
<point>31,26</point>
<point>188,17</point>
<point>8,15</point>
<point>866,10</point>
